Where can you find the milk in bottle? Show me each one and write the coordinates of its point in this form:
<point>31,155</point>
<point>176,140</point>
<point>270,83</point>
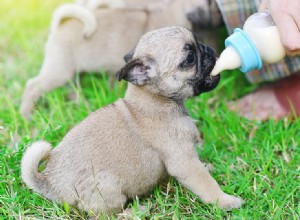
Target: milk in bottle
<point>247,49</point>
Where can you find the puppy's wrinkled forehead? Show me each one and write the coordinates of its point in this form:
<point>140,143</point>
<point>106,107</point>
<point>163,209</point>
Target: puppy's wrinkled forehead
<point>165,45</point>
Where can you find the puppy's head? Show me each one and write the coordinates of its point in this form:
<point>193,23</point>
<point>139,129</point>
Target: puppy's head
<point>170,62</point>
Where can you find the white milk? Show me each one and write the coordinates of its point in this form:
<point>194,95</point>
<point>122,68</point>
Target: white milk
<point>229,60</point>
<point>267,42</point>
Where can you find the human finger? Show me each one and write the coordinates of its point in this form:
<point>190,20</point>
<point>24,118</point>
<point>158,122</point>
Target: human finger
<point>289,33</point>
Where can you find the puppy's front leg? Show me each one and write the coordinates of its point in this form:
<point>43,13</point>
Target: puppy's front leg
<point>192,174</point>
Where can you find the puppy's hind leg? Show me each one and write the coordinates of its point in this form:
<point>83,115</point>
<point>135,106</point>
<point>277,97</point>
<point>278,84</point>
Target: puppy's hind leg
<point>52,75</point>
<point>103,203</point>
<point>102,194</point>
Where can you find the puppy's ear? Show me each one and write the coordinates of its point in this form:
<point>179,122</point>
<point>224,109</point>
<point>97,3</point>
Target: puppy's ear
<point>128,56</point>
<point>138,72</point>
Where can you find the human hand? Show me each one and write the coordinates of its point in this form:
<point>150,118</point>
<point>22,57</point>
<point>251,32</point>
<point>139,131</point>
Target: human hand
<point>286,15</point>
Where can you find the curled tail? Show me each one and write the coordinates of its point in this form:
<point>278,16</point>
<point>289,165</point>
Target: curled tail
<point>29,167</point>
<point>81,13</point>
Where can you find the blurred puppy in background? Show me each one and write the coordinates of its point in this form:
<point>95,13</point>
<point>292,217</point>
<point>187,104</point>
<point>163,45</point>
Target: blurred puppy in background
<point>96,39</point>
<point>82,10</point>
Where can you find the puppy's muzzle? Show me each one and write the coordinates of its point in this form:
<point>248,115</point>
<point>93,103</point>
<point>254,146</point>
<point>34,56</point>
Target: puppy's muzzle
<point>203,81</point>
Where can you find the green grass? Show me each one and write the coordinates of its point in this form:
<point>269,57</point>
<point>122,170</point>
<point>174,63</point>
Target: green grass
<point>256,161</point>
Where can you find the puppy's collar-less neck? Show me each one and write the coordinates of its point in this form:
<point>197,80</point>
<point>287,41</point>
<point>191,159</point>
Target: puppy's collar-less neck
<point>140,97</point>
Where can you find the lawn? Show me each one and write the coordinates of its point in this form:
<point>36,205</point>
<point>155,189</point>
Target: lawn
<point>259,162</point>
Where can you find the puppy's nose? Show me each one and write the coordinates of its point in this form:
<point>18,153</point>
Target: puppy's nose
<point>210,50</point>
<point>206,49</point>
<point>209,54</point>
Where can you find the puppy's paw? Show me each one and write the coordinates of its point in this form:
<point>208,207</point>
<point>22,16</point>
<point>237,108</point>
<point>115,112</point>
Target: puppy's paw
<point>229,202</point>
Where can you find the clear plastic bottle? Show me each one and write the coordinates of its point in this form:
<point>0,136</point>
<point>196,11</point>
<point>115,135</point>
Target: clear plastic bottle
<point>247,49</point>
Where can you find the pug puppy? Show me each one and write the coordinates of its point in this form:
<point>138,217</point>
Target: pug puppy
<point>117,30</point>
<point>126,148</point>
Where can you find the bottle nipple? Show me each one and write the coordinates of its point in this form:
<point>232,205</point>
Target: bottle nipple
<point>228,60</point>
<point>240,52</point>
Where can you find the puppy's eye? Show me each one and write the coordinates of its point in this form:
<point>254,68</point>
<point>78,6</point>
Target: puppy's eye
<point>190,59</point>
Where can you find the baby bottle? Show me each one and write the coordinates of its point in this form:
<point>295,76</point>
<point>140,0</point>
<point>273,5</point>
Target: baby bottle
<point>247,49</point>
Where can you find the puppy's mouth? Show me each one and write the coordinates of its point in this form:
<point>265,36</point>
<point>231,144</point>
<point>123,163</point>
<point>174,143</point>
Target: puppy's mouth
<point>210,82</point>
<point>205,84</point>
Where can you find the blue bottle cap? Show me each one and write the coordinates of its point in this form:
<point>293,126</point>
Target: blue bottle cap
<point>245,47</point>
